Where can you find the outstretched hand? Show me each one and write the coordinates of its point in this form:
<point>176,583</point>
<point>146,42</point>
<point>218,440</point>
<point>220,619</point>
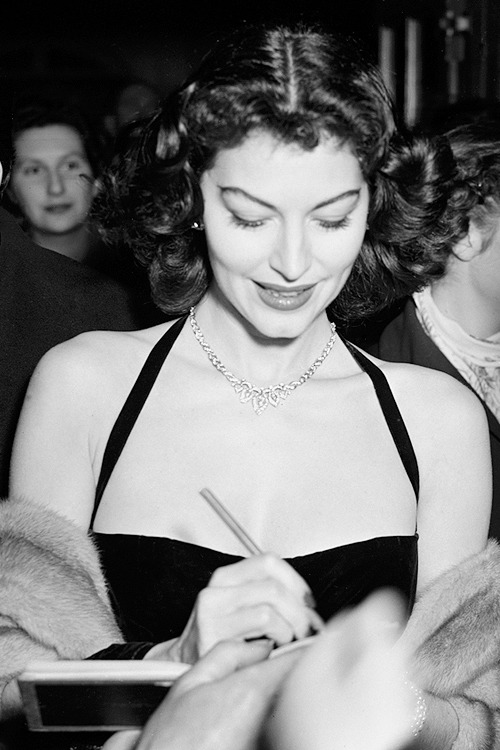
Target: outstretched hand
<point>348,691</point>
<point>219,704</point>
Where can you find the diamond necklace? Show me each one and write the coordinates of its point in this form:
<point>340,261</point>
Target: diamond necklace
<point>260,398</point>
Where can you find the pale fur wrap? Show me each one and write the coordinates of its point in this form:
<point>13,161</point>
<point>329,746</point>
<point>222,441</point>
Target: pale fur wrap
<point>53,598</point>
<point>454,633</point>
<point>54,605</point>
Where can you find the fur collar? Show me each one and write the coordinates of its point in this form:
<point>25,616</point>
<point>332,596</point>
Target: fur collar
<point>54,602</point>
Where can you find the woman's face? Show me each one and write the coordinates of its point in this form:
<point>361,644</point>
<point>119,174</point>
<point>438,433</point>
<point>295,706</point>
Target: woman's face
<point>52,181</point>
<point>284,227</point>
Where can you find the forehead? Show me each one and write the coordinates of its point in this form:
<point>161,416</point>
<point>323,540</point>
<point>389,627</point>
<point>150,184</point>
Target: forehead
<point>264,164</point>
<point>48,141</point>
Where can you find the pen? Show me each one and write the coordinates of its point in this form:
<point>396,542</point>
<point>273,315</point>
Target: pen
<point>248,542</point>
<point>230,521</point>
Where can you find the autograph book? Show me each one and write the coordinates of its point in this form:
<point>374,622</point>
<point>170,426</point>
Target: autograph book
<point>79,696</point>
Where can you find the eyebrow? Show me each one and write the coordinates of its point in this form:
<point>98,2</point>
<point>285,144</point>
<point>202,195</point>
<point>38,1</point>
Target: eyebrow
<point>41,159</point>
<point>254,199</point>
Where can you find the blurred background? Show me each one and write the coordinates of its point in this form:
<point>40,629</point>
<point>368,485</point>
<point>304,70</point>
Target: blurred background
<point>432,52</point>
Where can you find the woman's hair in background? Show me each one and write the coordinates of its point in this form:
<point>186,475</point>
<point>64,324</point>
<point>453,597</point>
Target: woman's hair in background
<point>300,85</point>
<point>476,148</point>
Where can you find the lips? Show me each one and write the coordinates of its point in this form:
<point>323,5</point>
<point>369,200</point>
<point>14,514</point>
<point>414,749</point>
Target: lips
<point>279,289</point>
<point>59,208</point>
<point>284,297</point>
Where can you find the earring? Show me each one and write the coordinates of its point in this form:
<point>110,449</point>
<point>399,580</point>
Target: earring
<point>198,225</point>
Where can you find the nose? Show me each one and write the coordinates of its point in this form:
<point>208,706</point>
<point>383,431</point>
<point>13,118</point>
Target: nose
<point>55,183</point>
<point>291,256</point>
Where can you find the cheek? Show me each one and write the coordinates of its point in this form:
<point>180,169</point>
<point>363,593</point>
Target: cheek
<point>28,197</point>
<point>230,253</point>
<point>229,262</point>
<point>343,252</point>
<point>80,194</point>
<point>84,194</point>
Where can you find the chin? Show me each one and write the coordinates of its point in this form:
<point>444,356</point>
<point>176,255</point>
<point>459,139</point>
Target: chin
<point>282,325</point>
<point>64,228</point>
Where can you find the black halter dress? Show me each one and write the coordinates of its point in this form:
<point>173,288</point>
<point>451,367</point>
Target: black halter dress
<point>155,580</point>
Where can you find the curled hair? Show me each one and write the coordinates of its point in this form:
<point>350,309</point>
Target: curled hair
<point>422,204</point>
<point>301,86</point>
<point>476,148</point>
<point>416,215</point>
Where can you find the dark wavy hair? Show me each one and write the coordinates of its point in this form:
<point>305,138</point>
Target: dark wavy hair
<point>300,85</point>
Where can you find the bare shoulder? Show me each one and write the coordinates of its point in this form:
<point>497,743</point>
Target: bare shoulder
<point>432,398</point>
<point>448,429</point>
<point>95,361</point>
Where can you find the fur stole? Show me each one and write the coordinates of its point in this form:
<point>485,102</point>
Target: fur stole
<point>454,634</point>
<point>53,598</point>
<point>54,605</point>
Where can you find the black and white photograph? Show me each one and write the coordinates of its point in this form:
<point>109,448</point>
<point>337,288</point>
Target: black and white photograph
<point>250,375</point>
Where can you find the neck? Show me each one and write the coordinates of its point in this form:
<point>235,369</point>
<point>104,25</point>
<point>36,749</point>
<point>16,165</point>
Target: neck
<point>251,356</point>
<point>461,300</point>
<point>76,244</point>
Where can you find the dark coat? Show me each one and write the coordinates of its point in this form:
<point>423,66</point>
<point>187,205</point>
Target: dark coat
<point>47,298</point>
<point>404,340</point>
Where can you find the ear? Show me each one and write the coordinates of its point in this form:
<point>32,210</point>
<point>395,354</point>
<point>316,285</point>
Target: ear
<point>470,245</point>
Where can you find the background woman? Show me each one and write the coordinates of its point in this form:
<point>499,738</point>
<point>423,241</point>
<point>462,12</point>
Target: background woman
<point>453,324</point>
<point>283,151</point>
<point>53,181</point>
<point>58,158</point>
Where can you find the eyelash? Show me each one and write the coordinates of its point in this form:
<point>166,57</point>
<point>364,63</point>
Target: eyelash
<point>341,224</point>
<point>245,224</point>
<point>328,225</point>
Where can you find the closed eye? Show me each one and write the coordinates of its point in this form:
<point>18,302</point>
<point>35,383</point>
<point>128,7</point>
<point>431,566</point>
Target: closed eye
<point>338,224</point>
<point>246,223</point>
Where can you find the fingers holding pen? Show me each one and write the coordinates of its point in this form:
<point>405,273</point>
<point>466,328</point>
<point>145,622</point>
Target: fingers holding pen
<point>259,597</point>
<point>269,585</point>
<point>270,567</point>
<point>265,565</point>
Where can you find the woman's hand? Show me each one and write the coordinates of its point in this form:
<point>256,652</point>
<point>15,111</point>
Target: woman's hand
<point>259,597</point>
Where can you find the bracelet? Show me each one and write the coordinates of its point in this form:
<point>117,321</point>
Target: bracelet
<point>420,715</point>
<point>449,702</point>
